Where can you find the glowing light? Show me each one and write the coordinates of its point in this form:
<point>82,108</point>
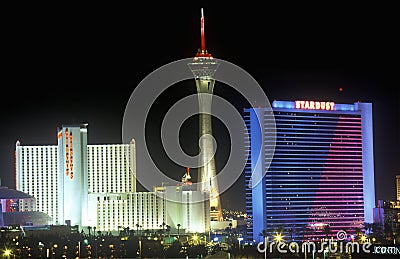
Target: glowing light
<point>363,238</point>
<point>315,105</point>
<point>278,237</point>
<point>7,253</point>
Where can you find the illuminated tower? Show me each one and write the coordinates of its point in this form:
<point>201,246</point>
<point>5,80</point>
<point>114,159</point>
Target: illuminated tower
<point>72,169</point>
<point>203,68</point>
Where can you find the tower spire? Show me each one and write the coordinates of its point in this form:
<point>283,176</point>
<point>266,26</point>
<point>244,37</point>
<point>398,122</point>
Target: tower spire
<point>203,53</point>
<point>203,40</point>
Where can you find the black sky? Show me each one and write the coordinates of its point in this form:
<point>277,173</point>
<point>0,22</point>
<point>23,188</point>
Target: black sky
<point>73,64</point>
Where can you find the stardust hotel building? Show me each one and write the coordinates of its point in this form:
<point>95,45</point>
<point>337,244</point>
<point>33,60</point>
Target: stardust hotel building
<point>314,162</point>
<point>95,185</point>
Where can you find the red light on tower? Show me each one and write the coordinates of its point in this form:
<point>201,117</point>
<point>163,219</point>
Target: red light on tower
<point>203,40</point>
<point>203,53</point>
<point>186,177</point>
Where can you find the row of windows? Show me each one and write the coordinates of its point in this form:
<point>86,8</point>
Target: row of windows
<point>312,115</point>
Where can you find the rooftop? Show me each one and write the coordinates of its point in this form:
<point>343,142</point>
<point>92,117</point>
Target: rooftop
<point>6,193</point>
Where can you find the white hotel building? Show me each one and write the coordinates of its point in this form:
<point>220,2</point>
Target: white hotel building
<point>95,185</point>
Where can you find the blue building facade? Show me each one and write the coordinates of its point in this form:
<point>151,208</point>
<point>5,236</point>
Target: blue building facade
<point>310,170</point>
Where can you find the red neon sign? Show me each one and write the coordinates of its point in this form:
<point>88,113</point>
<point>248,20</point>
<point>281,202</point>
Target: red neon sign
<point>315,105</point>
<point>69,162</point>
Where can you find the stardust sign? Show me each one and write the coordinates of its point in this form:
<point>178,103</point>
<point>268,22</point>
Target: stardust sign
<point>314,105</point>
<point>69,155</point>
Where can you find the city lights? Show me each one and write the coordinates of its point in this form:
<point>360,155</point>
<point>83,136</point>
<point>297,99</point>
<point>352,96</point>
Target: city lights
<point>315,158</point>
<point>278,237</point>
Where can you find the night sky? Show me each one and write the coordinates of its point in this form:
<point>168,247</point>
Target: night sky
<point>81,64</point>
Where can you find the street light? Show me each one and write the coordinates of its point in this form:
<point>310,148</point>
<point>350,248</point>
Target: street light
<point>278,237</point>
<point>7,253</point>
<point>195,239</point>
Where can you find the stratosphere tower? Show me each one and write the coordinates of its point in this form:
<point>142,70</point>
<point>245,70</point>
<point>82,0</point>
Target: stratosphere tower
<point>203,68</point>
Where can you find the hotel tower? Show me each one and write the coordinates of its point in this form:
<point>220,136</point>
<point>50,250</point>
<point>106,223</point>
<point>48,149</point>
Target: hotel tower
<point>321,177</point>
<point>76,183</point>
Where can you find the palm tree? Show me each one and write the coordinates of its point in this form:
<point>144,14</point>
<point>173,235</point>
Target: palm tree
<point>168,229</point>
<point>163,225</point>
<point>327,230</point>
<point>377,231</point>
<point>358,233</point>
<point>179,225</point>
<point>94,231</point>
<point>137,228</point>
<point>264,233</point>
<point>367,228</point>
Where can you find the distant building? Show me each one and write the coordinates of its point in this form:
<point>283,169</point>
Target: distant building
<point>398,187</point>
<point>168,205</point>
<point>18,208</point>
<point>186,206</point>
<point>318,173</point>
<point>50,231</point>
<point>224,225</point>
<point>61,176</point>
<point>16,201</point>
<point>127,209</point>
<point>387,217</point>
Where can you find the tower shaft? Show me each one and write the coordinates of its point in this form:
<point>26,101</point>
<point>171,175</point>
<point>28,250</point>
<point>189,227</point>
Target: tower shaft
<point>207,172</point>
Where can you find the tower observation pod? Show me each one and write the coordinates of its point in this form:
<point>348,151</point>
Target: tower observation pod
<point>203,68</point>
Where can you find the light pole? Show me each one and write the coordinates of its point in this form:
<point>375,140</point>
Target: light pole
<point>96,247</point>
<point>239,239</point>
<point>265,246</point>
<point>140,248</point>
<point>7,253</point>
